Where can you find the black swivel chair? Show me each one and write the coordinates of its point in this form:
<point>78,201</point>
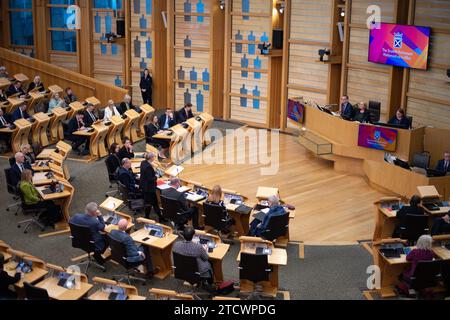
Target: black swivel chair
<point>133,201</point>
<point>414,227</point>
<point>35,293</point>
<point>277,227</point>
<point>421,160</point>
<point>112,177</point>
<point>254,268</point>
<point>426,275</point>
<point>30,210</point>
<point>216,217</point>
<point>171,210</point>
<point>12,189</point>
<point>410,119</point>
<point>374,109</point>
<point>82,239</point>
<point>119,255</point>
<point>185,268</point>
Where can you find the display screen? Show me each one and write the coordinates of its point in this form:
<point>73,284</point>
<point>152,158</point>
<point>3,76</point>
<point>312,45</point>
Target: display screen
<point>296,111</point>
<point>379,138</point>
<point>399,45</point>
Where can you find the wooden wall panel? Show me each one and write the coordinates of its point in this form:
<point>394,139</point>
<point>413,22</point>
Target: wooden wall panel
<point>359,10</point>
<point>68,61</point>
<point>311,20</point>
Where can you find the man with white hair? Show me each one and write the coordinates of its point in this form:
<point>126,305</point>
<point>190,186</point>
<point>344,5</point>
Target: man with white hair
<point>127,177</point>
<point>126,104</point>
<point>258,227</point>
<point>37,83</point>
<point>134,253</point>
<point>3,73</point>
<point>18,167</point>
<point>93,219</point>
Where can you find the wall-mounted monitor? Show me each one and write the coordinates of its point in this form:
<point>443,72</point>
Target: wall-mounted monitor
<point>399,45</point>
<point>379,138</point>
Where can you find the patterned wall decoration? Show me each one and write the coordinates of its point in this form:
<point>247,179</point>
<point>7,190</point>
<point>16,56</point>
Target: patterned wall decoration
<point>192,53</point>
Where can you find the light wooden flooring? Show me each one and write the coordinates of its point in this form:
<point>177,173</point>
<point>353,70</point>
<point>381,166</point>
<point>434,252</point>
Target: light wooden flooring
<point>331,207</point>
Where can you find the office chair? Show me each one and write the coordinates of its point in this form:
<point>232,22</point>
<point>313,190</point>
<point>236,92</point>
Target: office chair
<point>426,275</point>
<point>35,293</point>
<point>119,254</point>
<point>216,217</point>
<point>374,109</point>
<point>132,200</point>
<point>112,177</point>
<point>82,239</point>
<point>186,268</point>
<point>421,160</point>
<point>30,210</point>
<point>415,226</point>
<point>254,268</point>
<point>277,227</point>
<point>13,190</point>
<point>410,121</point>
<point>11,161</point>
<point>172,211</point>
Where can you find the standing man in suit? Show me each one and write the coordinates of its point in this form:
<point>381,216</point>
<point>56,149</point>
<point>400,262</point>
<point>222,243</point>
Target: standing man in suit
<point>443,165</point>
<point>126,104</point>
<point>20,113</point>
<point>185,113</point>
<point>76,124</point>
<point>347,111</point>
<point>15,88</point>
<point>37,83</point>
<point>18,167</point>
<point>127,150</point>
<point>146,87</point>
<point>89,116</point>
<point>174,194</point>
<point>94,220</point>
<point>148,186</point>
<point>127,177</point>
<point>134,253</point>
<point>167,120</point>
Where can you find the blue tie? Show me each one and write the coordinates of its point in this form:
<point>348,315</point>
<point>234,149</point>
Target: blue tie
<point>166,124</point>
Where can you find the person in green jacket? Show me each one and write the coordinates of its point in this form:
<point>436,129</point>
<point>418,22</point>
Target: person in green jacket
<point>31,197</point>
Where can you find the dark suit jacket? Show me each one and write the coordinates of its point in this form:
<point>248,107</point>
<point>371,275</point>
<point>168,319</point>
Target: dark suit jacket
<point>124,153</point>
<point>148,177</point>
<point>113,162</point>
<point>347,112</point>
<point>440,166</point>
<point>88,121</point>
<point>362,117</point>
<point>8,119</point>
<point>162,120</point>
<point>404,122</point>
<point>16,174</point>
<point>146,83</point>
<point>16,115</point>
<point>123,107</point>
<point>12,90</point>
<point>126,177</point>
<point>182,116</point>
<point>96,225</point>
<point>5,281</point>
<point>130,247</point>
<point>171,193</point>
<point>3,97</point>
<point>73,125</point>
<point>150,130</point>
<point>33,85</point>
<point>405,210</point>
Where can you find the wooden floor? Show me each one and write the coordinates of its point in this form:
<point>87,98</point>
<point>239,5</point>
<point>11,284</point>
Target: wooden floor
<point>331,207</point>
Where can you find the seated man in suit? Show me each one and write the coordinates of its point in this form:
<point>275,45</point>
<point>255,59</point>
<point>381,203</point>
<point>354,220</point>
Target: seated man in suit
<point>347,111</point>
<point>93,219</point>
<point>400,119</point>
<point>6,280</point>
<point>185,113</point>
<point>414,208</point>
<point>5,122</point>
<point>443,165</point>
<point>89,116</point>
<point>200,252</point>
<point>76,124</point>
<point>15,88</point>
<point>37,83</point>
<point>174,194</point>
<point>127,150</point>
<point>258,227</point>
<point>125,105</point>
<point>134,253</point>
<point>18,167</point>
<point>70,96</point>
<point>20,113</point>
<point>127,177</point>
<point>167,120</point>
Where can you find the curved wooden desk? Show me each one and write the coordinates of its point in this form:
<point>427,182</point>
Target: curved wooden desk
<point>21,134</point>
<point>56,127</point>
<point>115,131</point>
<point>130,129</point>
<point>179,148</point>
<point>195,134</point>
<point>39,129</point>
<point>144,117</point>
<point>99,139</point>
<point>36,98</point>
<point>207,122</point>
<point>74,108</point>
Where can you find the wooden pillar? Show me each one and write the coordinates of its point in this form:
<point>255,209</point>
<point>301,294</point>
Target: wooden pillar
<point>217,66</point>
<point>160,71</point>
<point>170,54</point>
<point>285,71</point>
<point>84,39</point>
<point>334,69</point>
<point>42,43</point>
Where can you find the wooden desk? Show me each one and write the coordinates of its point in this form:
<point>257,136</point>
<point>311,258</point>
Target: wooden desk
<point>276,259</point>
<point>14,103</point>
<point>21,77</point>
<point>121,215</point>
<point>40,179</point>
<point>385,218</point>
<point>195,135</point>
<point>4,249</point>
<point>4,83</point>
<point>441,252</point>
<point>55,89</point>
<point>145,116</point>
<point>180,146</point>
<point>56,127</point>
<point>94,101</point>
<point>207,121</point>
<point>39,128</point>
<point>160,248</point>
<point>90,135</point>
<point>38,272</point>
<point>98,140</point>
<point>130,129</point>
<point>263,193</point>
<point>59,293</point>
<point>115,131</point>
<point>169,294</point>
<point>111,204</point>
<point>21,134</point>
<point>36,98</point>
<point>74,108</point>
<point>130,291</point>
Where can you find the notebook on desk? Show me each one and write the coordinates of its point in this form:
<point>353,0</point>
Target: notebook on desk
<point>47,191</point>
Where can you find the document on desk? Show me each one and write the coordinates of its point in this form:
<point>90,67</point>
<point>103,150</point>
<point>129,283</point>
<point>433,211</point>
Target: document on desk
<point>174,170</point>
<point>183,189</point>
<point>194,197</point>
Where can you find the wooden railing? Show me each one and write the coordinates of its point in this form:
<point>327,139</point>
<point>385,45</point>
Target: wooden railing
<point>82,86</point>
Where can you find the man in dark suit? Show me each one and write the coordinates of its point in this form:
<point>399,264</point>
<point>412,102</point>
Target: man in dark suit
<point>15,88</point>
<point>167,120</point>
<point>443,165</point>
<point>134,253</point>
<point>37,83</point>
<point>185,113</point>
<point>347,111</point>
<point>3,97</point>
<point>126,104</point>
<point>148,186</point>
<point>5,122</point>
<point>127,177</point>
<point>76,124</point>
<point>89,116</point>
<point>20,113</point>
<point>174,194</point>
<point>127,150</point>
<point>94,220</point>
<point>18,167</point>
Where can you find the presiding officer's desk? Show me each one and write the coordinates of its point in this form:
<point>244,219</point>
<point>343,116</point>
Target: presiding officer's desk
<point>277,258</point>
<point>131,292</point>
<point>160,248</point>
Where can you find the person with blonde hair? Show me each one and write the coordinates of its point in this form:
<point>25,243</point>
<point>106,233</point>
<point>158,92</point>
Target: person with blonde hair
<point>215,198</point>
<point>56,102</point>
<point>110,111</point>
